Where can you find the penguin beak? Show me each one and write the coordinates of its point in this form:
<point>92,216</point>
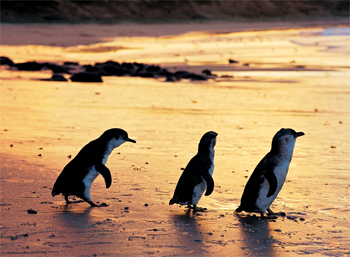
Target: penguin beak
<point>299,134</point>
<point>130,140</point>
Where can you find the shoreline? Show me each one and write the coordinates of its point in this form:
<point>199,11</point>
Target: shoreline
<point>77,34</point>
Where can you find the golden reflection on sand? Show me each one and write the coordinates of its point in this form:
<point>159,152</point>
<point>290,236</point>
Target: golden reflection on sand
<point>290,82</point>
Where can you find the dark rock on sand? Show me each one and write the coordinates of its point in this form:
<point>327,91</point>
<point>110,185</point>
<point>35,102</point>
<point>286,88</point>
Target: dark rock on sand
<point>113,70</point>
<point>165,73</point>
<point>31,211</point>
<point>6,61</point>
<point>197,77</point>
<point>181,74</point>
<point>71,63</point>
<point>170,79</point>
<point>153,68</point>
<point>188,75</point>
<point>232,61</point>
<point>146,74</point>
<point>93,73</point>
<point>29,66</point>
<point>207,72</point>
<point>86,77</point>
<point>112,63</point>
<point>90,68</point>
<point>56,77</point>
<point>55,68</point>
<point>128,66</point>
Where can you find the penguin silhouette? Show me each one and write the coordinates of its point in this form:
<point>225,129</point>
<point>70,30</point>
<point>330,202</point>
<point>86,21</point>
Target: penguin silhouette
<point>77,176</point>
<point>270,174</point>
<point>197,176</point>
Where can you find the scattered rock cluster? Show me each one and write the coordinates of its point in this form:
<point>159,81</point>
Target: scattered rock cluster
<point>94,73</point>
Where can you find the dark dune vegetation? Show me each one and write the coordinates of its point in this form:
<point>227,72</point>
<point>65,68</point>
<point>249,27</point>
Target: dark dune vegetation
<point>167,11</point>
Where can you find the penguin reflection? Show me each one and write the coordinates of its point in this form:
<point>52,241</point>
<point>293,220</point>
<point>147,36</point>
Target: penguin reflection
<point>197,176</point>
<point>78,175</point>
<point>269,176</point>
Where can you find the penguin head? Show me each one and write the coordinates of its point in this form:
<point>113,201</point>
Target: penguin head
<point>117,136</point>
<point>208,141</point>
<point>285,138</point>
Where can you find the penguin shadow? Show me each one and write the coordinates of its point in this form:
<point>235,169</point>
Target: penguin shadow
<point>255,235</point>
<point>187,227</point>
<point>75,215</point>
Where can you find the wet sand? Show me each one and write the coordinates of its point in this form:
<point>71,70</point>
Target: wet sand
<point>296,78</point>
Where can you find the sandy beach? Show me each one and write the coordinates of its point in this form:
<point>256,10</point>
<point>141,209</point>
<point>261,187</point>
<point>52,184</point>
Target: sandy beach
<point>287,76</point>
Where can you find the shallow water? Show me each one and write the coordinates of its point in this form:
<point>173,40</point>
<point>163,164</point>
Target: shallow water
<point>304,87</point>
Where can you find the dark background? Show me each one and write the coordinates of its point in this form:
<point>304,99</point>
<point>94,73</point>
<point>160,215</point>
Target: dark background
<point>108,11</point>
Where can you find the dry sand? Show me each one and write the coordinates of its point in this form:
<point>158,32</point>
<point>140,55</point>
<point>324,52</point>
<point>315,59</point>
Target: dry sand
<point>296,78</point>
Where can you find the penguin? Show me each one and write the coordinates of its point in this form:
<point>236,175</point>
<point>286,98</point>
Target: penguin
<point>270,174</point>
<point>78,175</point>
<point>197,176</point>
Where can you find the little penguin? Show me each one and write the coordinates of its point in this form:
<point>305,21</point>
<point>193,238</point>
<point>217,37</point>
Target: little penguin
<point>269,176</point>
<point>197,176</point>
<point>77,176</point>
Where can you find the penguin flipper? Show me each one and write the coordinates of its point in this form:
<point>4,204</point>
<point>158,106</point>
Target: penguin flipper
<point>271,178</point>
<point>106,174</point>
<point>210,183</point>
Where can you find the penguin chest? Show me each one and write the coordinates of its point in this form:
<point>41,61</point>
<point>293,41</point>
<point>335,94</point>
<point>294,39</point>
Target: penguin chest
<point>263,202</point>
<point>89,178</point>
<point>199,189</point>
<point>211,169</point>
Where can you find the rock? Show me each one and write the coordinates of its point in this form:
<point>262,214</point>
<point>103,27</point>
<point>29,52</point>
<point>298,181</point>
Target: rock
<point>90,68</point>
<point>86,77</point>
<point>165,73</point>
<point>56,77</point>
<point>6,61</point>
<point>232,61</point>
<point>113,70</point>
<point>55,68</point>
<point>71,63</point>
<point>197,77</point>
<point>31,211</point>
<point>127,66</point>
<point>207,72</point>
<point>146,74</point>
<point>182,74</point>
<point>29,66</point>
<point>170,79</point>
<point>153,68</point>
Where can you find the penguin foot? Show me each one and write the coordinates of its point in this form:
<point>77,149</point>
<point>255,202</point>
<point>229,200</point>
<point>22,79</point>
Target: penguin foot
<point>77,201</point>
<point>69,202</point>
<point>269,215</point>
<point>270,212</point>
<point>98,205</point>
<point>196,208</point>
<point>93,204</point>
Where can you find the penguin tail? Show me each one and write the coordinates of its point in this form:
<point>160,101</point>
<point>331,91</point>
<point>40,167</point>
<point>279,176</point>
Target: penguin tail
<point>173,200</point>
<point>55,192</point>
<point>239,209</point>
